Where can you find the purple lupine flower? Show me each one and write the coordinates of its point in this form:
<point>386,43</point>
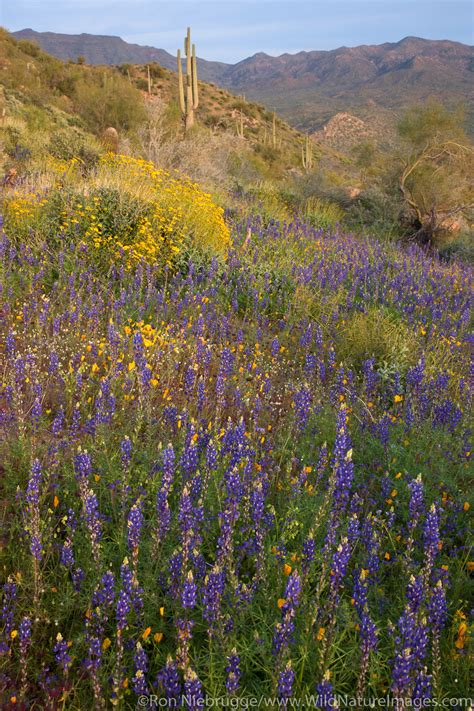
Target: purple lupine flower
<point>342,463</point>
<point>303,402</point>
<point>225,370</point>
<point>140,660</point>
<point>233,672</point>
<point>431,534</point>
<point>416,504</point>
<point>308,553</point>
<point>194,697</point>
<point>168,679</point>
<point>211,456</point>
<point>163,513</point>
<point>123,608</point>
<point>212,595</point>
<point>58,422</point>
<point>104,594</point>
<point>24,635</point>
<point>353,529</point>
<point>83,465</point>
<point>422,686</point>
<point>24,632</point>
<point>34,483</point>
<point>10,344</point>
<point>282,636</point>
<point>7,615</point>
<point>438,608</point>
<point>126,450</point>
<point>94,653</point>
<point>368,631</point>
<point>340,561</point>
<point>67,555</point>
<point>286,680</point>
<point>189,593</point>
<point>33,513</point>
<point>414,593</point>
<point>37,407</point>
<point>134,525</point>
<point>325,694</point>
<point>92,518</point>
<point>410,644</point>
<point>61,654</point>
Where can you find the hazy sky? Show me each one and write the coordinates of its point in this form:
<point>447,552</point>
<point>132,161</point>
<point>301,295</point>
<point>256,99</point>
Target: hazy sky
<point>230,30</point>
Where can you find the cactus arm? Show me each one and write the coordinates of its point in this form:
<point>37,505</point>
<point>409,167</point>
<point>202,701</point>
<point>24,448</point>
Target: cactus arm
<point>189,87</point>
<point>180,84</point>
<point>194,78</point>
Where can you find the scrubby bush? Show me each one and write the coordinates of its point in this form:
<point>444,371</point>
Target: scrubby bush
<point>379,334</point>
<point>461,247</point>
<point>376,211</point>
<point>67,145</point>
<point>322,213</point>
<point>118,104</point>
<point>128,211</point>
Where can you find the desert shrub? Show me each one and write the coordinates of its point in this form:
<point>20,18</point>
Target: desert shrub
<point>117,104</point>
<point>377,211</point>
<point>67,145</point>
<point>379,334</point>
<point>30,48</point>
<point>141,83</point>
<point>156,72</point>
<point>265,199</point>
<point>128,211</point>
<point>461,248</point>
<point>268,153</point>
<point>203,156</point>
<point>322,213</point>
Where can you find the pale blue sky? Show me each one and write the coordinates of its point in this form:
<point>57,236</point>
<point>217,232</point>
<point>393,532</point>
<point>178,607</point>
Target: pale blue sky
<point>230,30</point>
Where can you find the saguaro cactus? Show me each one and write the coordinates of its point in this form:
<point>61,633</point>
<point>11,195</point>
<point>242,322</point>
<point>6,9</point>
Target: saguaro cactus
<point>149,79</point>
<point>307,154</point>
<point>189,96</point>
<point>240,125</point>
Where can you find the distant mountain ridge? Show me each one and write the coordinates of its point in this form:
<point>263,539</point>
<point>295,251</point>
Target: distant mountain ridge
<point>308,88</point>
<point>108,49</point>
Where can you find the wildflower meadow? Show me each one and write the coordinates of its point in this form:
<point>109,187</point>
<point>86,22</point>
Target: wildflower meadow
<point>234,472</point>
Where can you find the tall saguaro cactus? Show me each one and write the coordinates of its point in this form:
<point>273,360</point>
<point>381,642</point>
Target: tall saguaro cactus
<point>307,154</point>
<point>188,89</point>
<point>240,125</point>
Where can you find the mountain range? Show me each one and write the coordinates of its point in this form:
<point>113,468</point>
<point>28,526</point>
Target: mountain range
<point>308,88</point>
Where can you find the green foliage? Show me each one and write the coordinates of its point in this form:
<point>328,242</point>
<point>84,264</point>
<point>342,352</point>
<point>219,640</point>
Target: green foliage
<point>430,123</point>
<point>376,211</point>
<point>35,77</point>
<point>117,104</point>
<point>382,335</point>
<point>321,213</point>
<point>436,168</point>
<point>461,247</point>
<point>67,145</point>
